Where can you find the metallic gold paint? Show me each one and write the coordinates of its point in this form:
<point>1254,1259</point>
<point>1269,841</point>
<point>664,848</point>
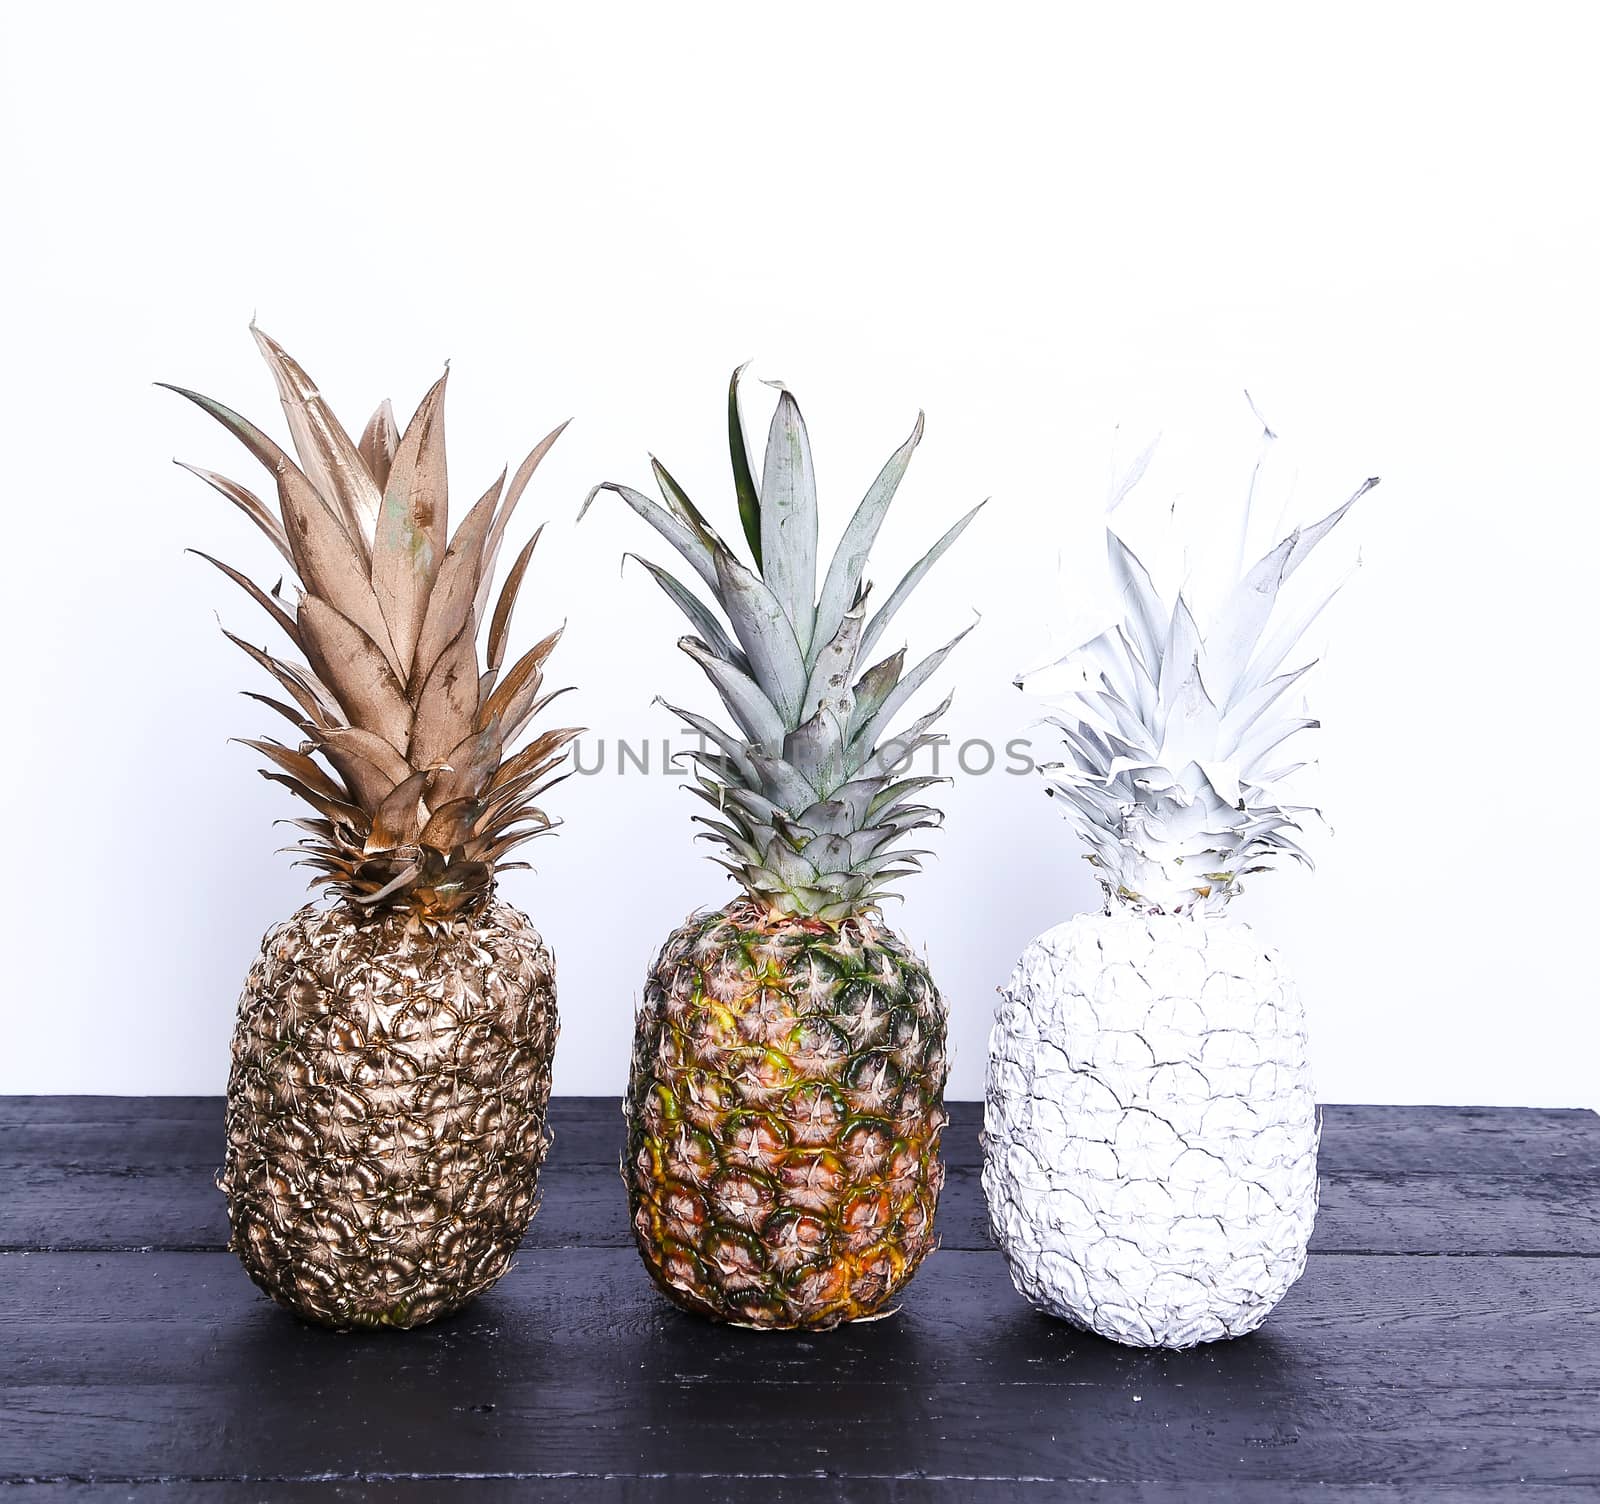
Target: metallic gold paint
<point>391,1067</point>
<point>386,1109</point>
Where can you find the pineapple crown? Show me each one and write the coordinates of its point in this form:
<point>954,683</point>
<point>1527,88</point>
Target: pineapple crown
<point>1175,774</point>
<point>421,799</point>
<point>810,809</point>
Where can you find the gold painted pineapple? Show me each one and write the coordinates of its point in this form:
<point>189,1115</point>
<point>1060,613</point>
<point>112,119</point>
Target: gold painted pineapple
<point>391,1060</point>
<point>785,1101</point>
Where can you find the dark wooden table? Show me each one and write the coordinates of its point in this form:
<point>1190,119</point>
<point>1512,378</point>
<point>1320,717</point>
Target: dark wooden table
<point>1444,1344</point>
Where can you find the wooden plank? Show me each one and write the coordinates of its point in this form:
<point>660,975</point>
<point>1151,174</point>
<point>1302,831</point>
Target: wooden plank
<point>700,1489</point>
<point>115,1132</point>
<point>1460,1140</point>
<point>87,1207</point>
<point>23,1110</point>
<point>144,1139</point>
<point>134,1321</point>
<point>623,1424</point>
<point>188,1131</point>
<point>1383,1377</point>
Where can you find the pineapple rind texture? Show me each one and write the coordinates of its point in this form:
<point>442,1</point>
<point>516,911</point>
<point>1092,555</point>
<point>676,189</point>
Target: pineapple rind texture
<point>387,1109</point>
<point>1150,1128</point>
<point>784,1115</point>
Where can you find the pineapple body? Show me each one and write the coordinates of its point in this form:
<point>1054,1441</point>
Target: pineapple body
<point>386,1109</point>
<point>786,1097</point>
<point>784,1114</point>
<point>1150,1130</point>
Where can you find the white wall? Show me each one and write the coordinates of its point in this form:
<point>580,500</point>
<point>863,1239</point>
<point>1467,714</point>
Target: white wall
<point>1035,223</point>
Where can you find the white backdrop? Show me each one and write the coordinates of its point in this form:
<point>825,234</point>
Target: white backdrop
<point>1035,223</point>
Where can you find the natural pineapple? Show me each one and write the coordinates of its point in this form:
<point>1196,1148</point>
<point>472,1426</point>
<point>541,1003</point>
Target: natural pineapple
<point>785,1102</point>
<point>391,1063</point>
<point>1150,1130</point>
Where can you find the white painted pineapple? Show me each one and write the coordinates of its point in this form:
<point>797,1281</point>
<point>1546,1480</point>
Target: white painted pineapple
<point>1150,1132</point>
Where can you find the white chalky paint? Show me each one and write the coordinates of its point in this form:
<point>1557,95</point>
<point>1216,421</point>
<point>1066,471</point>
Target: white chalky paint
<point>1150,1127</point>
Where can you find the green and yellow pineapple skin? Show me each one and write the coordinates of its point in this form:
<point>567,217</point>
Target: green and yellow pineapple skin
<point>386,1109</point>
<point>784,1114</point>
